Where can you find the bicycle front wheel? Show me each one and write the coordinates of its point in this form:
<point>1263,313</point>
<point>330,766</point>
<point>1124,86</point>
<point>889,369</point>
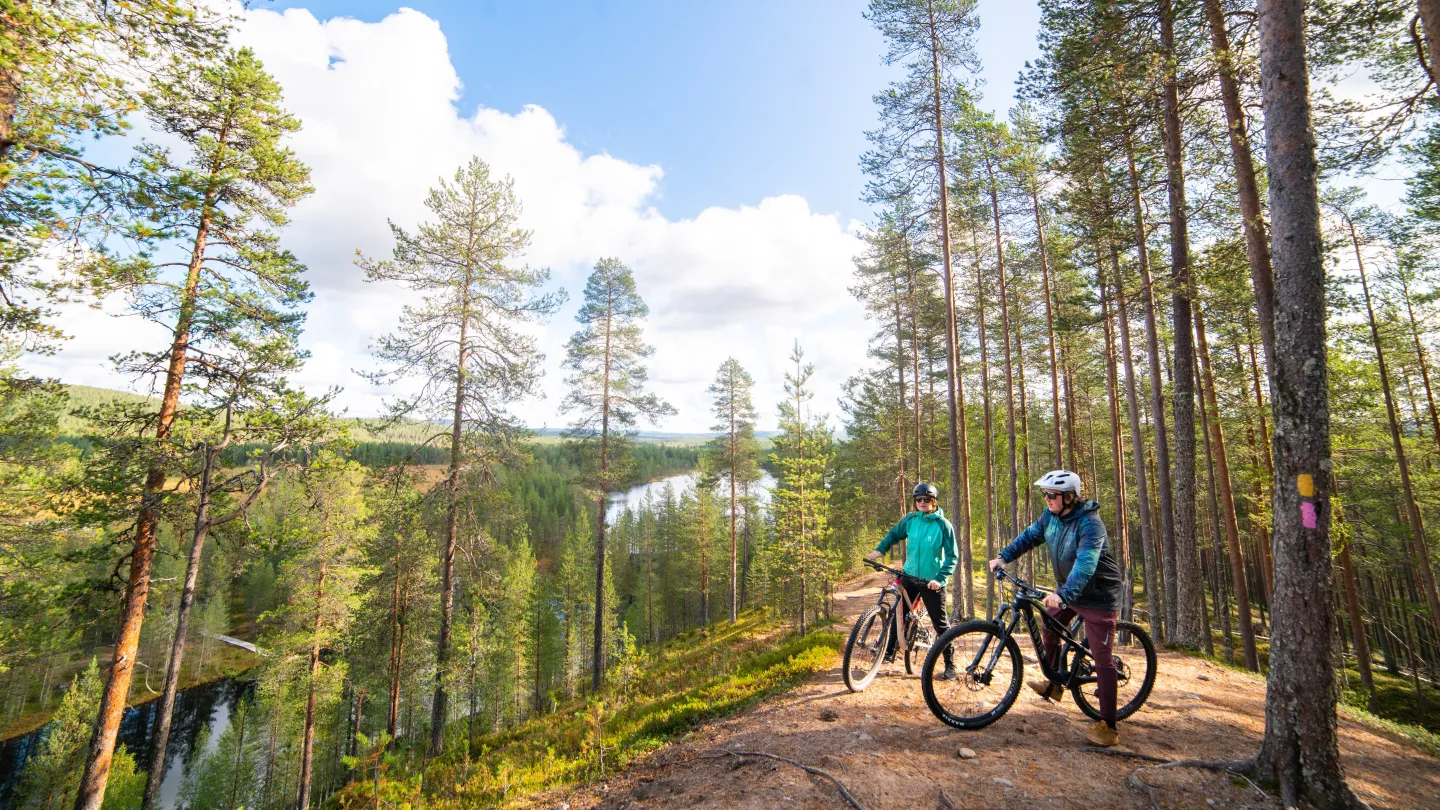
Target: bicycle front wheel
<point>987,669</point>
<point>865,649</point>
<point>1134,655</point>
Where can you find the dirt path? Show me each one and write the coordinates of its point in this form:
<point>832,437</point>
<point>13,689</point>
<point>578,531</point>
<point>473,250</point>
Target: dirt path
<point>890,752</point>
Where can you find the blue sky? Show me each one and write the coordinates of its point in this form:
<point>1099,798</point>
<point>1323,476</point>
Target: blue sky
<point>736,100</point>
<point>712,147</point>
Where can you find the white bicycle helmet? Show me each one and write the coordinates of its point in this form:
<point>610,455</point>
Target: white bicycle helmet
<point>1060,481</point>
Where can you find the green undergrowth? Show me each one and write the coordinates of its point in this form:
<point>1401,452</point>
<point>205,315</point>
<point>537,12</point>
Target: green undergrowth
<point>697,676</point>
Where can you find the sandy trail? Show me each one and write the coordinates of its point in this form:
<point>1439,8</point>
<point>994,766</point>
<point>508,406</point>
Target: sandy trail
<point>890,752</point>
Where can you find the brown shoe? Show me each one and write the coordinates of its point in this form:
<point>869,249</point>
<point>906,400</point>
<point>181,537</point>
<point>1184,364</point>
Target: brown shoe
<point>1102,735</point>
<point>1047,689</point>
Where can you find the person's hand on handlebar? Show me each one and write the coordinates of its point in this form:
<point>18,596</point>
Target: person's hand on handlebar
<point>996,563</point>
<point>1052,601</point>
<point>874,555</point>
<point>934,585</point>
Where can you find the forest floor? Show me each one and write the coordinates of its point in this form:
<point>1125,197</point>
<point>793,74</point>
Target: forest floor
<point>890,752</point>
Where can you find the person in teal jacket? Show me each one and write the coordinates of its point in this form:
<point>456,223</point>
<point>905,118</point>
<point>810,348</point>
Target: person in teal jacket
<point>930,556</point>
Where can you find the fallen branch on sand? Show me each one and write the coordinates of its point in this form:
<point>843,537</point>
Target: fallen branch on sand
<point>849,798</point>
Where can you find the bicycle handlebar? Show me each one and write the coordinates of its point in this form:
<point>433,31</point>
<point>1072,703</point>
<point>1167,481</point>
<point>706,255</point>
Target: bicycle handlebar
<point>1001,574</point>
<point>896,571</point>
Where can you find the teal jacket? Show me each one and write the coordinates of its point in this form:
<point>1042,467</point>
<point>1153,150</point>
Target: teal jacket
<point>931,551</point>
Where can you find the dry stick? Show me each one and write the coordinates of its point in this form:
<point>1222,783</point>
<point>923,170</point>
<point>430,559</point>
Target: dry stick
<point>849,798</point>
<point>1125,754</point>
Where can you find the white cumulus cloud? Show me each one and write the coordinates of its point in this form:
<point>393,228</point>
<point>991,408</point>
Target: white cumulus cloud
<point>379,102</point>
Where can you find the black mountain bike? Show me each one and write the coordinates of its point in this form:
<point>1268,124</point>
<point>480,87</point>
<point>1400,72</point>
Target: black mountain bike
<point>865,649</point>
<point>990,666</point>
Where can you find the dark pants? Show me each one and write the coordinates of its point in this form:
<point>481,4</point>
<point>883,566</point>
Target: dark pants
<point>935,606</point>
<point>1100,630</point>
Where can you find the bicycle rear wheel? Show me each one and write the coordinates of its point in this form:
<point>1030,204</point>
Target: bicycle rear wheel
<point>987,681</point>
<point>865,649</point>
<point>1135,674</point>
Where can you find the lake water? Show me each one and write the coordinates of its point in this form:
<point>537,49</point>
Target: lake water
<point>207,706</point>
<point>634,498</point>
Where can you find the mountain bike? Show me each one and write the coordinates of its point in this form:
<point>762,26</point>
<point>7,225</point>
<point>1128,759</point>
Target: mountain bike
<point>990,666</point>
<point>865,649</point>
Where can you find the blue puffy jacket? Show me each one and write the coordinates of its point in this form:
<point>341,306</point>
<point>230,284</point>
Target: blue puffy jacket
<point>1085,570</point>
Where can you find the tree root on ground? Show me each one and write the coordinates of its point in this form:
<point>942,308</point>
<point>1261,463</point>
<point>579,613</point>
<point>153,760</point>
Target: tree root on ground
<point>1240,769</point>
<point>810,769</point>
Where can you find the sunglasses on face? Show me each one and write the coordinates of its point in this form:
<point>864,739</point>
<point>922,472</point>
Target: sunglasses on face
<point>924,499</point>
<point>1054,496</point>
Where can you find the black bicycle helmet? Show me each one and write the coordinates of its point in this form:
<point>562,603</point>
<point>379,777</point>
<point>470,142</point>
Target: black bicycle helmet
<point>924,488</point>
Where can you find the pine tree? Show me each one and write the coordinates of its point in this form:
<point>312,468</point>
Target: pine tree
<point>733,454</point>
<point>607,395</point>
<point>237,295</point>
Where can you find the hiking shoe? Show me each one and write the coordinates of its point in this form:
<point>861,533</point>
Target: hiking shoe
<point>1102,735</point>
<point>1047,689</point>
<point>948,674</point>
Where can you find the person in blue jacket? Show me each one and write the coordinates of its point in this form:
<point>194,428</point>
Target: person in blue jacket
<point>1088,585</point>
<point>930,555</point>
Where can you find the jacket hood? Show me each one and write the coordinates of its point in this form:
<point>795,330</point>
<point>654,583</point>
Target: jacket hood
<point>1085,508</point>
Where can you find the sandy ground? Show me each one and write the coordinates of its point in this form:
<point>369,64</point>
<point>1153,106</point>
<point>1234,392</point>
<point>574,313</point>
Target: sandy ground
<point>890,752</point>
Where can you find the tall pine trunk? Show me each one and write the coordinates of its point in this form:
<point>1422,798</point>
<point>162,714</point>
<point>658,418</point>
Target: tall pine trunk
<point>161,736</point>
<point>1165,543</point>
<point>1137,449</point>
<point>137,587</point>
<point>1300,750</point>
<point>1257,249</point>
<point>1178,516</point>
<point>1010,528</point>
<point>440,707</point>
<point>1227,500</point>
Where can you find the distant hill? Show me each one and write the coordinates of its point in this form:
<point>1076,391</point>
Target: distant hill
<point>365,429</point>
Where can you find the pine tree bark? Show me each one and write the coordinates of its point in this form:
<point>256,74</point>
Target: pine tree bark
<point>1421,360</point>
<point>440,707</point>
<point>1166,541</point>
<point>1117,456</point>
<point>1137,449</point>
<point>1187,628</point>
<point>307,744</point>
<point>1430,19</point>
<point>1257,249</point>
<point>1049,328</point>
<point>1300,749</point>
<point>597,656</point>
<point>166,708</point>
<point>1227,499</point>
<point>91,793</point>
<point>951,358</point>
<point>1011,529</point>
<point>965,583</point>
<point>989,439</point>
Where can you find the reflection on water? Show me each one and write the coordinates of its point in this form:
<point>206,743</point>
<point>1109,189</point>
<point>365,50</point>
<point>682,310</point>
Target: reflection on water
<point>634,497</point>
<point>199,707</point>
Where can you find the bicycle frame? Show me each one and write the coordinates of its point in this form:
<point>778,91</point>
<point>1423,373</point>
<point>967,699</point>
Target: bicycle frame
<point>1027,603</point>
<point>903,619</point>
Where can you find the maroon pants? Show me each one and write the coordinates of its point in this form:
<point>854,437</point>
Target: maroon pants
<point>1100,630</point>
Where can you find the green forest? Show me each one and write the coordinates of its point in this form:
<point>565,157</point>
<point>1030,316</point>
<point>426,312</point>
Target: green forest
<point>1160,270</point>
